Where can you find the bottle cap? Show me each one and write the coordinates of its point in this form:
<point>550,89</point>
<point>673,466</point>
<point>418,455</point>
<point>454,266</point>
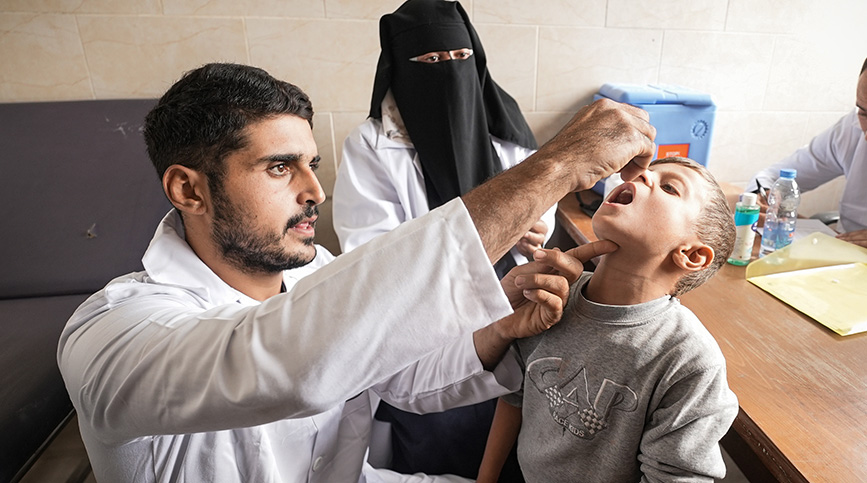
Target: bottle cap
<point>749,199</point>
<point>788,173</point>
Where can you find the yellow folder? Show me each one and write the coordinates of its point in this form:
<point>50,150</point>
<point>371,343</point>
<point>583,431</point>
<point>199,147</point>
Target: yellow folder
<point>821,276</point>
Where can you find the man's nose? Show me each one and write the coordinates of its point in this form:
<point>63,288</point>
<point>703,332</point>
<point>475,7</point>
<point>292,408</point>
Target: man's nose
<point>312,190</point>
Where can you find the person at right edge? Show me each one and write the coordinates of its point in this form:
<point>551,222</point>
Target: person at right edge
<point>840,150</point>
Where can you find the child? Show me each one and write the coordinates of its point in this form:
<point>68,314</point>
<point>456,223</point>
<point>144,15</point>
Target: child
<point>629,385</point>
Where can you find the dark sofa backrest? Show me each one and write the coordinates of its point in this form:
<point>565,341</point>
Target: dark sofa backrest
<point>79,202</point>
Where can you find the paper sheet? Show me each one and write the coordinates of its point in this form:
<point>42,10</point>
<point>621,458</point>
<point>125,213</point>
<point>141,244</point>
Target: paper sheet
<point>821,276</point>
<point>836,296</point>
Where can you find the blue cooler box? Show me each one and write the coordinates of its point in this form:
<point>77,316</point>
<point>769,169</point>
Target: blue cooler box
<point>683,118</point>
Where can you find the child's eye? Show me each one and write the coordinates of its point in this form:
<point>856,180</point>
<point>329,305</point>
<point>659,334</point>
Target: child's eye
<point>669,188</point>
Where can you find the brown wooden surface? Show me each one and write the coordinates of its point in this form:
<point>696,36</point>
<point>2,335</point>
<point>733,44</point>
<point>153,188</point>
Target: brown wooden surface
<point>802,388</point>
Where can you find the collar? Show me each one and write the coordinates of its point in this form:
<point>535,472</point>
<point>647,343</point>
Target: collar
<point>169,260</point>
<point>393,127</point>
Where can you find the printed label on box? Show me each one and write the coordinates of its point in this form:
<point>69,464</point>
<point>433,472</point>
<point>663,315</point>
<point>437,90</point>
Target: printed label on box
<point>667,150</point>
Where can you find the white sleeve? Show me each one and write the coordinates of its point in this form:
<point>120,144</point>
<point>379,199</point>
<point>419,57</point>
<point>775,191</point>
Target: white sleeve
<point>153,363</point>
<point>365,202</point>
<point>818,162</point>
<point>449,377</point>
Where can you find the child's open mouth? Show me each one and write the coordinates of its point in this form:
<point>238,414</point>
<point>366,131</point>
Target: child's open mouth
<point>623,194</point>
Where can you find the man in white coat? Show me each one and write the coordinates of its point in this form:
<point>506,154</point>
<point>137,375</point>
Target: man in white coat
<point>243,353</point>
<point>840,150</point>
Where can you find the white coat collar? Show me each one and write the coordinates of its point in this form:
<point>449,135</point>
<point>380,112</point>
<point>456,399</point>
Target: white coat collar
<point>169,260</point>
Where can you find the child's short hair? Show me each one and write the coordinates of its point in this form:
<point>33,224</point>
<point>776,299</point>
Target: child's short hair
<point>715,227</point>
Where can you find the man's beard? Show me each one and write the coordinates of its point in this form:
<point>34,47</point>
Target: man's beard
<point>248,250</point>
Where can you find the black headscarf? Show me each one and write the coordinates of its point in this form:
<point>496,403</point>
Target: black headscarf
<point>449,108</point>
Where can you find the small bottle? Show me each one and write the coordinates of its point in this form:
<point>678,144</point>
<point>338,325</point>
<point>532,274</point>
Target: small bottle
<point>746,216</point>
<point>783,201</point>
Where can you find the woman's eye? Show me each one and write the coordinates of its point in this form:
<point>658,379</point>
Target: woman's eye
<point>431,59</point>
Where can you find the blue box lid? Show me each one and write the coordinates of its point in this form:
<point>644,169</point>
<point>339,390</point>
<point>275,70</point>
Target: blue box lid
<point>655,94</point>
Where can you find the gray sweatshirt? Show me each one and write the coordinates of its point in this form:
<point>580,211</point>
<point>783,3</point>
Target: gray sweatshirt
<point>623,393</point>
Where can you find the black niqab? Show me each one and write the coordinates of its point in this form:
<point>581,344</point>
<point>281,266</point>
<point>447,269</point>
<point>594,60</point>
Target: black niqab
<point>449,108</point>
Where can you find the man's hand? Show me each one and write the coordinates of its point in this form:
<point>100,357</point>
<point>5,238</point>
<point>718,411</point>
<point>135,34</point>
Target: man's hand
<point>603,138</point>
<point>538,292</point>
<point>533,239</point>
<point>857,237</point>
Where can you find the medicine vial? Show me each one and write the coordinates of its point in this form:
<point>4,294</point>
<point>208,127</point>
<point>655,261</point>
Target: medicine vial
<point>746,216</point>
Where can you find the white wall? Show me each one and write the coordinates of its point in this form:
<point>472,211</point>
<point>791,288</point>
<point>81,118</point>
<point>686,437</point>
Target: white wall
<point>779,70</point>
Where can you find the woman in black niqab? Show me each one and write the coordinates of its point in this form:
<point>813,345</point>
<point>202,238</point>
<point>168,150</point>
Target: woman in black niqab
<point>449,108</point>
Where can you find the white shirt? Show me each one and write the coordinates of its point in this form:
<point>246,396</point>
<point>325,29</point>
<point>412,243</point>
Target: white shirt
<point>380,185</point>
<point>839,150</point>
<point>178,377</point>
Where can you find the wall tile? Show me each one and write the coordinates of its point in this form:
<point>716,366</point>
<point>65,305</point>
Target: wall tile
<point>817,122</point>
<point>512,60</point>
<point>143,56</point>
<point>667,14</point>
<point>733,68</point>
<point>362,9</point>
<point>574,63</point>
<point>766,16</point>
<point>325,234</point>
<point>336,70</point>
<point>804,77</point>
<point>252,8</point>
<point>42,58</point>
<point>746,142</point>
<point>83,6</point>
<point>323,134</point>
<point>344,123</point>
<point>586,13</point>
<point>546,124</point>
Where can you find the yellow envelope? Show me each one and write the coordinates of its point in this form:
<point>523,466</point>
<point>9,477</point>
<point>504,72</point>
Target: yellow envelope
<point>821,276</point>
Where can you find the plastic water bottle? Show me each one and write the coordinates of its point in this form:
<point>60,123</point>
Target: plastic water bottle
<point>783,201</point>
<point>746,216</point>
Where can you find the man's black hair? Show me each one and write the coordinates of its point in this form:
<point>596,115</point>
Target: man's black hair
<point>201,119</point>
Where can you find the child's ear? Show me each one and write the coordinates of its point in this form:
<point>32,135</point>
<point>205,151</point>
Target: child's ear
<point>692,258</point>
<point>186,189</point>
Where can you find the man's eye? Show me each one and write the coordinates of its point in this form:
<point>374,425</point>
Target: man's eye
<point>314,165</point>
<point>279,168</point>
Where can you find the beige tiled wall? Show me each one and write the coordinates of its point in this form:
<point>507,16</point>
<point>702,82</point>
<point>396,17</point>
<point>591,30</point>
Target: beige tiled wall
<point>779,70</point>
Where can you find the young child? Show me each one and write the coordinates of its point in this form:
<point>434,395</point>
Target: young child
<point>630,386</point>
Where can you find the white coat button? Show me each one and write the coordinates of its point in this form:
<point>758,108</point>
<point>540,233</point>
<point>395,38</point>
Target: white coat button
<point>317,463</point>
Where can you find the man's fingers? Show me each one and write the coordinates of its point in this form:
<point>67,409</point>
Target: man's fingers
<point>636,166</point>
<point>563,263</point>
<point>551,306</point>
<point>551,283</point>
<point>592,250</point>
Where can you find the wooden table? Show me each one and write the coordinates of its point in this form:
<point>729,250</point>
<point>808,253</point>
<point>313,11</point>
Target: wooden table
<point>802,388</point>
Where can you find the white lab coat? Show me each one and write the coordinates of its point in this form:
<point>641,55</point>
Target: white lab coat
<point>380,185</point>
<point>178,377</point>
<point>839,150</point>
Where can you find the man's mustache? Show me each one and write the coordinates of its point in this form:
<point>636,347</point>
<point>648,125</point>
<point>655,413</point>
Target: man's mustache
<point>309,212</point>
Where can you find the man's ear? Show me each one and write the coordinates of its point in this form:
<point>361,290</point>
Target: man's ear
<point>186,189</point>
<point>692,258</point>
